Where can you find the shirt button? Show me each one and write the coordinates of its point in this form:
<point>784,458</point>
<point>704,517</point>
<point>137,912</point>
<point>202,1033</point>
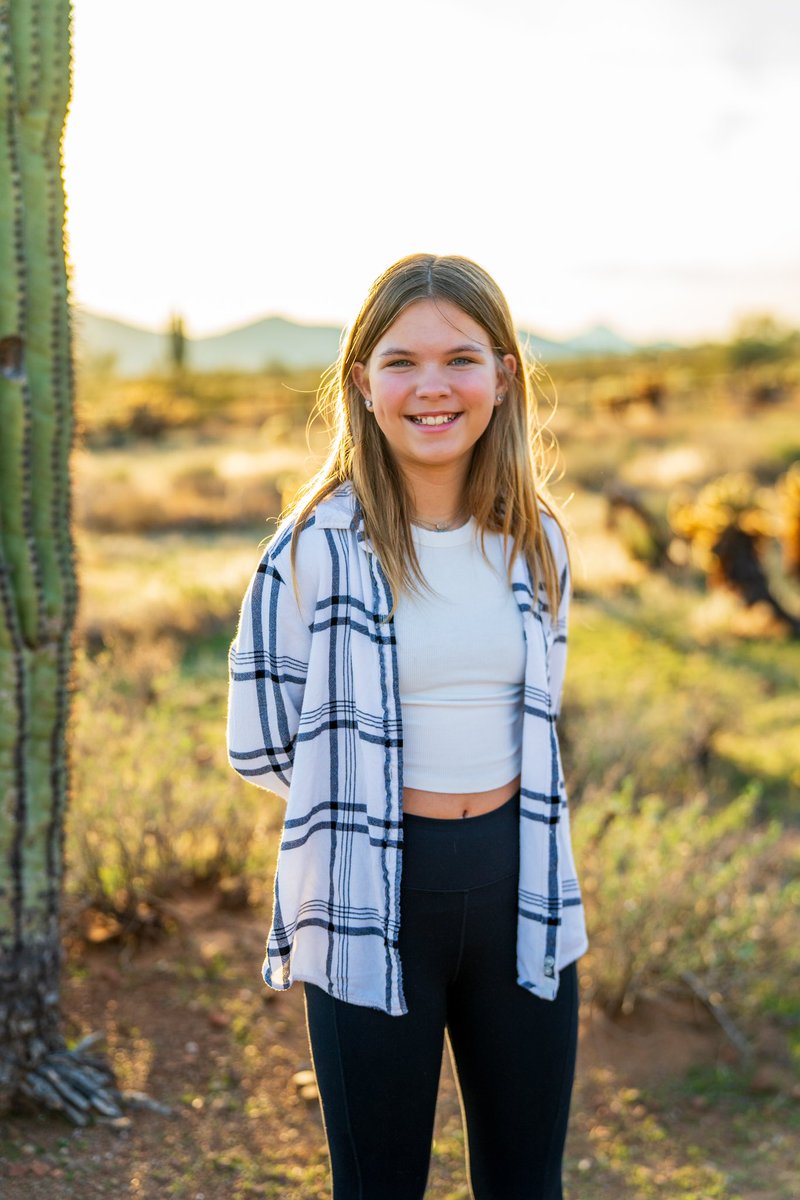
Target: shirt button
<point>550,966</point>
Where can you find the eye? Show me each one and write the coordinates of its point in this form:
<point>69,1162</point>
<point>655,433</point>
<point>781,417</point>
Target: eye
<point>461,358</point>
<point>399,362</point>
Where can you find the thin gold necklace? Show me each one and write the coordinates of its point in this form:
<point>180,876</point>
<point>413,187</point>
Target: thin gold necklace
<point>440,526</point>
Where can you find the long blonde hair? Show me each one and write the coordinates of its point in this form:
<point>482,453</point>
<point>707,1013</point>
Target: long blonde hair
<point>506,483</point>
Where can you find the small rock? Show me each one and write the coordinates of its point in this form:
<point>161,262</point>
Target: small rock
<point>120,1124</point>
<point>304,1079</point>
<point>191,1048</point>
<point>218,1018</point>
<point>309,1093</point>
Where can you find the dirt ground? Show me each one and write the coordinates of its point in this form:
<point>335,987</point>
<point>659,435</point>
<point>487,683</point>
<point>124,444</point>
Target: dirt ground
<point>660,1109</point>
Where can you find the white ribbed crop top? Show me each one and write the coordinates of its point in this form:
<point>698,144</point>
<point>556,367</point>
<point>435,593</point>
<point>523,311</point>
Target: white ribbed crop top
<point>461,665</point>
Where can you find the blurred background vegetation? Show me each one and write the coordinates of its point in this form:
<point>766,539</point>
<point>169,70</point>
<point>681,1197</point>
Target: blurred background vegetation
<point>678,472</point>
<point>679,475</point>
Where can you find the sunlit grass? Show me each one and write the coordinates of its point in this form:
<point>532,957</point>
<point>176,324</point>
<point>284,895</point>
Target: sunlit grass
<point>181,482</point>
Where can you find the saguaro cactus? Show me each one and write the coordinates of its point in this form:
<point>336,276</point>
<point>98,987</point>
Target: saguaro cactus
<point>38,591</point>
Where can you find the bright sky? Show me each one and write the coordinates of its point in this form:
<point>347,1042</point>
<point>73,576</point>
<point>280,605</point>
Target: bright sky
<point>632,161</point>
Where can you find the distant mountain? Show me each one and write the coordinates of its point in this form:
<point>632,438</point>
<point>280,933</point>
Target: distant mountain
<point>270,340</point>
<point>275,340</point>
<point>599,340</point>
<point>253,347</point>
<point>132,351</point>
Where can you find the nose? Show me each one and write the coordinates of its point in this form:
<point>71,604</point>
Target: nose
<point>432,384</point>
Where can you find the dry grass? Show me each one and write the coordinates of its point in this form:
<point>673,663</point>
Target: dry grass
<point>183,484</point>
<point>136,587</point>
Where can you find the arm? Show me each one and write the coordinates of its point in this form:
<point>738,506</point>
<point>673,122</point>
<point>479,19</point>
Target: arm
<point>268,663</point>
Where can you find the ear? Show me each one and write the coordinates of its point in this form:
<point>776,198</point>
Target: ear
<point>509,362</point>
<point>360,376</point>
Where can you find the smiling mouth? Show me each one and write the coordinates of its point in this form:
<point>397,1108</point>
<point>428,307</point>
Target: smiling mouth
<point>441,419</point>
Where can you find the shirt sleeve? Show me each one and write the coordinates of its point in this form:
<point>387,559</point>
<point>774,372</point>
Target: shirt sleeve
<point>558,641</point>
<point>268,665</point>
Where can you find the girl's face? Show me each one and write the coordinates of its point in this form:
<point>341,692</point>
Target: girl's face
<point>433,380</point>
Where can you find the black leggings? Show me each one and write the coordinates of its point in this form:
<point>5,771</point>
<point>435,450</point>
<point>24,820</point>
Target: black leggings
<point>513,1053</point>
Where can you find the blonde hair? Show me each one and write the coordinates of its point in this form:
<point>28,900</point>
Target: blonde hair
<point>506,484</point>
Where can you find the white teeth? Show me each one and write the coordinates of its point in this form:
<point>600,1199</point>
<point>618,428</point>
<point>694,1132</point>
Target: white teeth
<point>435,420</point>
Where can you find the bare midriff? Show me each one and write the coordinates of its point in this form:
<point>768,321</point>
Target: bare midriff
<point>449,805</point>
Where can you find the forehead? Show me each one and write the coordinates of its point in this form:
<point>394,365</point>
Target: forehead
<point>433,322</point>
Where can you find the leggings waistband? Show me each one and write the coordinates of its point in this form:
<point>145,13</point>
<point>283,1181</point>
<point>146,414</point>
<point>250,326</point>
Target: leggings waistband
<point>455,855</point>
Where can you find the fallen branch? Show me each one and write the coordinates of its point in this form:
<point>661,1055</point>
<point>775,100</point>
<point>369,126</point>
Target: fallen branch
<point>81,1087</point>
<point>725,1022</point>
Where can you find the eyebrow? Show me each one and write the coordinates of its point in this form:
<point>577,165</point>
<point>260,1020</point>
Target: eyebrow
<point>469,346</point>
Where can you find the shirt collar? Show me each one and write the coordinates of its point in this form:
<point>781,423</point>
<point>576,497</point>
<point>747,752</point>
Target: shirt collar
<point>339,510</point>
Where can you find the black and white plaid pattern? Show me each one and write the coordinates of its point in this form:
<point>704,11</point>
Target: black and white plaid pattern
<point>314,715</point>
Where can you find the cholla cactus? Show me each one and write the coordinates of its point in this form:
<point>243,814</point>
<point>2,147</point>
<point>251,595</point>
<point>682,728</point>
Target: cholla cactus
<point>38,592</point>
<point>788,493</point>
<point>730,501</point>
<point>727,526</point>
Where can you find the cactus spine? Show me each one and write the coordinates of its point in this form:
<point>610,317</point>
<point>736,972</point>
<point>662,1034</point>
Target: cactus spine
<point>38,591</point>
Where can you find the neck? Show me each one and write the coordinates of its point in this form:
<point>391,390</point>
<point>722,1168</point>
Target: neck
<point>437,501</point>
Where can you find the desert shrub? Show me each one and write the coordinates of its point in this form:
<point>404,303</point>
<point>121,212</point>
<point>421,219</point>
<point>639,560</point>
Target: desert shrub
<point>119,411</point>
<point>639,523</point>
<point>762,339</point>
<point>676,887</point>
<point>202,479</point>
<point>155,805</point>
<point>119,505</point>
<point>195,497</point>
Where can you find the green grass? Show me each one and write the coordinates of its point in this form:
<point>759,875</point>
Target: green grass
<point>647,697</point>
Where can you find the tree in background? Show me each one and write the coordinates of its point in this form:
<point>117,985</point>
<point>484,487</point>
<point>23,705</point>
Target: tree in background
<point>38,589</point>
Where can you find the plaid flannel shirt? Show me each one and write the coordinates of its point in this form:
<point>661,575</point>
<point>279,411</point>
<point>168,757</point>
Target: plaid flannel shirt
<point>314,715</point>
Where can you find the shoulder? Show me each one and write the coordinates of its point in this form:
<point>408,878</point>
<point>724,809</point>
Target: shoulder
<point>557,539</point>
<point>312,546</point>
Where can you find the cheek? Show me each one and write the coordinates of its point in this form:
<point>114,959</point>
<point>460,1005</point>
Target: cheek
<point>482,397</point>
<point>389,396</point>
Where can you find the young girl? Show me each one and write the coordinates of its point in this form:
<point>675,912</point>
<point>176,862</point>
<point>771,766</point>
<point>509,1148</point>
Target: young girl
<point>396,677</point>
